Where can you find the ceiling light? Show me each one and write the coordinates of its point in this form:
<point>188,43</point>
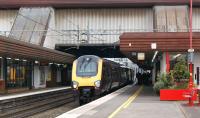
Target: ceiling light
<point>141,56</point>
<point>16,59</point>
<point>154,56</point>
<point>175,56</point>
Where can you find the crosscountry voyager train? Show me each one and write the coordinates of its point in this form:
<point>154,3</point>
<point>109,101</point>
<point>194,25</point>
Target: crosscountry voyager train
<point>93,76</point>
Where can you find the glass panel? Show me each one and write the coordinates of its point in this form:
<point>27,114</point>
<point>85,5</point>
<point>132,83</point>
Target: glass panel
<point>87,67</point>
<point>18,73</point>
<point>31,24</point>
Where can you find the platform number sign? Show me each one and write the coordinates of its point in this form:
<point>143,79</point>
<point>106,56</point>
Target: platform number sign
<point>190,57</point>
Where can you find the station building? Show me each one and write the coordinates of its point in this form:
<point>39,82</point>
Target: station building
<point>25,66</point>
<point>32,29</point>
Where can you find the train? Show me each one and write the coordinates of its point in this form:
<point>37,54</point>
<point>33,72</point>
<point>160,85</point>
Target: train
<point>93,76</point>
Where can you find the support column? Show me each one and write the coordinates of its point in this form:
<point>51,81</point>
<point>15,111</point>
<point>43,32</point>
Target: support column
<point>167,62</point>
<point>5,72</point>
<point>163,64</point>
<point>154,73</point>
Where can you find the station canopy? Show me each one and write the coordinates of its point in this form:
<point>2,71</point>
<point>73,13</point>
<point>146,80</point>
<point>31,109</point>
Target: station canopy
<point>132,43</point>
<point>23,50</point>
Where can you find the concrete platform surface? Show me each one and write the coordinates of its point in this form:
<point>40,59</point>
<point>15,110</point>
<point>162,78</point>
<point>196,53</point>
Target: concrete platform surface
<point>190,112</point>
<point>132,102</point>
<point>32,92</point>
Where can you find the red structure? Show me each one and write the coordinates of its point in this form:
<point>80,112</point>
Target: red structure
<point>167,62</point>
<point>178,95</point>
<point>191,103</point>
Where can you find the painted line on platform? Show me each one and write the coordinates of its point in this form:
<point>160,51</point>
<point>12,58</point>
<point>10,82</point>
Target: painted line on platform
<point>126,103</point>
<point>181,109</point>
<point>75,113</point>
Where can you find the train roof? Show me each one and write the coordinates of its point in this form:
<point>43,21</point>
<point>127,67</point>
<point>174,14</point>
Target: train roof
<point>90,56</point>
<point>113,63</point>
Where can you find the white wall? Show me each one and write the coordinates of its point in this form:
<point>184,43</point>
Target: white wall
<point>6,20</point>
<point>37,78</point>
<point>58,79</point>
<point>196,62</point>
<point>51,39</point>
<point>116,20</point>
<point>195,19</point>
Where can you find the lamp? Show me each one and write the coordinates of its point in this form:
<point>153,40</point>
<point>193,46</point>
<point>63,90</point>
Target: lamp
<point>141,56</point>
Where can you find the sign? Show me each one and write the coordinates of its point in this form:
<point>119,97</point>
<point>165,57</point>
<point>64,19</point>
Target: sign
<point>141,56</point>
<point>153,46</point>
<point>190,57</point>
<point>191,50</point>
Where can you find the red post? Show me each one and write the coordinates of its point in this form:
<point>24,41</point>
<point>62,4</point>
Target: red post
<point>191,103</point>
<point>191,78</point>
<point>167,63</point>
<point>190,65</point>
<point>190,24</point>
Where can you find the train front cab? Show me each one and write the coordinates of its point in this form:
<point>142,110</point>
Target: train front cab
<point>86,77</point>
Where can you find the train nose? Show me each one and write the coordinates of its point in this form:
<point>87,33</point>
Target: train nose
<point>86,92</point>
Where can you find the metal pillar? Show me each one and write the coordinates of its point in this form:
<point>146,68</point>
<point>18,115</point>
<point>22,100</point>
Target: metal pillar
<point>191,51</point>
<point>5,72</point>
<point>167,62</point>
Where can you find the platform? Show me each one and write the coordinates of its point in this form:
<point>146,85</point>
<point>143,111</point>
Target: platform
<point>130,102</point>
<point>32,102</point>
<point>32,92</point>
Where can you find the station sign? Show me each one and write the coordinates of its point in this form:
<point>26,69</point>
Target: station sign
<point>190,57</point>
<point>153,46</point>
<point>141,56</point>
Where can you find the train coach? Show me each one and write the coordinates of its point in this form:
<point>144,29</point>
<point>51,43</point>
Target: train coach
<point>93,76</point>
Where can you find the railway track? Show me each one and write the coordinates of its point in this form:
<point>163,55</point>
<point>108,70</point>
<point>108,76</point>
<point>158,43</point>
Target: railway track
<point>26,106</point>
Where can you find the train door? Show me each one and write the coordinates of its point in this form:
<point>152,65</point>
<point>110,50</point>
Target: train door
<point>105,77</point>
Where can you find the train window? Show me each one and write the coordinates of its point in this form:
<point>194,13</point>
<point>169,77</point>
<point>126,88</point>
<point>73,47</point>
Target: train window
<point>87,67</point>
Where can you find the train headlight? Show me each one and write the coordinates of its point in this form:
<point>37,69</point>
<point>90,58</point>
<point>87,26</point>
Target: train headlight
<point>97,83</point>
<point>75,84</point>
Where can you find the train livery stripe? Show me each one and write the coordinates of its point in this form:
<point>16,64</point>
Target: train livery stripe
<point>126,103</point>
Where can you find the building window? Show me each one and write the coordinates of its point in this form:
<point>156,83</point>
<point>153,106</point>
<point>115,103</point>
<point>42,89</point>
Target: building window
<point>49,74</point>
<point>18,73</point>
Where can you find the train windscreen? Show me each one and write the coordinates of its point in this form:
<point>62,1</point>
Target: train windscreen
<point>87,66</point>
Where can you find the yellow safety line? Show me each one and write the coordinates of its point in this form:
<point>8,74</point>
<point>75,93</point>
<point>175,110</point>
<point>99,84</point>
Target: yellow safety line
<point>126,103</point>
<point>182,110</point>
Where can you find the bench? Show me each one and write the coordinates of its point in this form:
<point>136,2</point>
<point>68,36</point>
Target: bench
<point>190,95</point>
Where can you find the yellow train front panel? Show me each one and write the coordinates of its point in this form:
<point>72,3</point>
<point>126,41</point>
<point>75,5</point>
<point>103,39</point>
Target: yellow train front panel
<point>87,81</point>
